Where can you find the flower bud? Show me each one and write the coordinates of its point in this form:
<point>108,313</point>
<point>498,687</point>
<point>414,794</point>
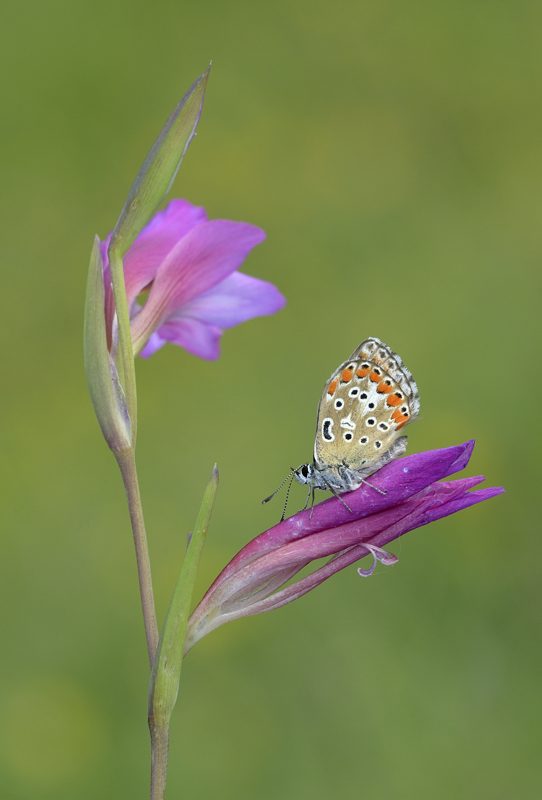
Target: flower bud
<point>160,167</point>
<point>102,377</point>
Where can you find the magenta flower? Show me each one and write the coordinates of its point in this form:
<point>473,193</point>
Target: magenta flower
<point>189,266</point>
<point>415,494</point>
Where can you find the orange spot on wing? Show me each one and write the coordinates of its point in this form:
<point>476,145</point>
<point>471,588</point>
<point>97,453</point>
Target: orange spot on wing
<point>399,417</point>
<point>347,375</point>
<point>375,377</point>
<point>363,371</point>
<point>332,386</point>
<point>402,425</point>
<point>384,387</point>
<point>393,400</point>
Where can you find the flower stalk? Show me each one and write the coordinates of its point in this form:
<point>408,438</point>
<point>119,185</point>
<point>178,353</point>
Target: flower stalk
<point>127,466</point>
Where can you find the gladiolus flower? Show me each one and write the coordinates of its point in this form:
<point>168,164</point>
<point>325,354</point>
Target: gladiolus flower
<point>189,264</point>
<point>255,579</point>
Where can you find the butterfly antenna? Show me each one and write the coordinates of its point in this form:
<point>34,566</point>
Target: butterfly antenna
<point>271,496</point>
<point>331,489</point>
<point>287,495</point>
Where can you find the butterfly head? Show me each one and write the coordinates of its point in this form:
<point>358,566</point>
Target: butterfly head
<point>304,474</point>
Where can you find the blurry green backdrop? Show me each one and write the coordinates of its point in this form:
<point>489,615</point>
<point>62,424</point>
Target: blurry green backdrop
<point>393,153</point>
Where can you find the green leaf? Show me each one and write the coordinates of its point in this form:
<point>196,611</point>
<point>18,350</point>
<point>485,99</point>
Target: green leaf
<point>166,670</point>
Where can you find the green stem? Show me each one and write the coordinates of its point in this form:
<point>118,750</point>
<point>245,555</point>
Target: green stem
<point>127,465</point>
<point>125,338</point>
<point>159,749</point>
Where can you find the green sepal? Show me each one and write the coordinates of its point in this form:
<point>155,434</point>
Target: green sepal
<point>160,167</point>
<point>166,671</point>
<point>102,377</point>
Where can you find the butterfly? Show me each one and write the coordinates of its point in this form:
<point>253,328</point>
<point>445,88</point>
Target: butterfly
<point>365,404</point>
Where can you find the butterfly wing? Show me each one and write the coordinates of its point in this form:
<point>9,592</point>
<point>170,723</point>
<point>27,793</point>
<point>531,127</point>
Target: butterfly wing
<point>365,404</point>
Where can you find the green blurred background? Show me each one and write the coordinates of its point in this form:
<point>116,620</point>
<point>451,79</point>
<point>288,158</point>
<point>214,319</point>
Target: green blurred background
<point>393,153</point>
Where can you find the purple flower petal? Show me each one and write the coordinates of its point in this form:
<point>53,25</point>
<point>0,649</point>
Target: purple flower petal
<point>400,479</point>
<point>154,344</point>
<point>200,260</point>
<point>236,299</point>
<point>199,338</point>
<point>151,247</point>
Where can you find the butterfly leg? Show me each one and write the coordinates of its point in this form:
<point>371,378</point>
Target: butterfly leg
<point>307,500</point>
<point>312,504</point>
<point>380,491</point>
<point>331,489</point>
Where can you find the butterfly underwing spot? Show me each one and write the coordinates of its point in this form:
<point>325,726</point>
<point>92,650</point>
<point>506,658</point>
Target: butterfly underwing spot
<point>395,399</point>
<point>371,405</point>
<point>385,386</point>
<point>348,374</point>
<point>383,426</point>
<point>347,422</point>
<point>371,421</point>
<point>364,440</point>
<point>348,436</point>
<point>378,445</point>
<point>327,433</point>
<point>339,403</point>
<point>353,392</point>
<point>332,386</point>
<point>375,375</point>
<point>399,417</point>
<point>363,370</point>
<point>363,396</point>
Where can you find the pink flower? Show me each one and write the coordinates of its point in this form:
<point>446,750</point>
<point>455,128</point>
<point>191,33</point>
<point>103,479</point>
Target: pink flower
<point>189,266</point>
<point>414,494</point>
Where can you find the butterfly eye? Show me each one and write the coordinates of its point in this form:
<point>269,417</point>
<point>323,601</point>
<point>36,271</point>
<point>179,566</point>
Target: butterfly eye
<point>305,471</point>
<point>339,403</point>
